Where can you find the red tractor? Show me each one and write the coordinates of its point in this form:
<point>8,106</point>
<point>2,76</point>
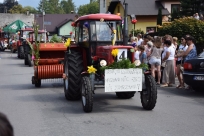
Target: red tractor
<point>3,40</point>
<point>22,35</point>
<point>96,36</point>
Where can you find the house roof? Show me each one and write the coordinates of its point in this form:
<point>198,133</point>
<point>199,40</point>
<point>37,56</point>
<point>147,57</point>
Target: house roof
<point>64,22</point>
<point>52,21</point>
<point>140,7</point>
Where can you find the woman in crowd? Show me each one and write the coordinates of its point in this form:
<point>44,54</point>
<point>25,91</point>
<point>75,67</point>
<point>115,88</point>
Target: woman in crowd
<point>155,58</point>
<point>191,51</point>
<point>175,40</point>
<point>183,47</point>
<point>168,77</point>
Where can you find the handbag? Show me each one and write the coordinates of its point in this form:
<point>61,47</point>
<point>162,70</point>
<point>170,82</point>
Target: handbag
<point>163,64</point>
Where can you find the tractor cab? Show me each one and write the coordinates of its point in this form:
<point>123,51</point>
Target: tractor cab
<point>99,34</point>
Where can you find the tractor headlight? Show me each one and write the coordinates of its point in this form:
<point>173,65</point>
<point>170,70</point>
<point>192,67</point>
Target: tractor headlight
<point>103,63</point>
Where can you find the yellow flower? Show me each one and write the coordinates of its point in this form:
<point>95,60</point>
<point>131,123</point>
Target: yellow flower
<point>67,43</point>
<point>114,52</point>
<point>91,69</point>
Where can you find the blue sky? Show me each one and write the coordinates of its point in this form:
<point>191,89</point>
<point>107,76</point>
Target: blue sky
<point>34,3</point>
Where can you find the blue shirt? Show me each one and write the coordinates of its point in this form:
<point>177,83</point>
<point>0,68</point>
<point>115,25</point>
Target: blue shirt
<point>143,58</point>
<point>192,54</point>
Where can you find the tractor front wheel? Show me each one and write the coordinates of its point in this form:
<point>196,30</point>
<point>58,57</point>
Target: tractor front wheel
<point>29,60</point>
<point>73,67</point>
<point>125,95</point>
<point>38,83</point>
<point>149,95</point>
<point>21,52</point>
<point>86,94</point>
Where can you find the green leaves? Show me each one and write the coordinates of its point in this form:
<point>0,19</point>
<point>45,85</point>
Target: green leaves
<point>123,64</point>
<point>55,39</point>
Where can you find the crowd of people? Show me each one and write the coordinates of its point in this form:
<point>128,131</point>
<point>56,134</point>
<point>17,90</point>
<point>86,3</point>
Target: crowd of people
<point>164,56</point>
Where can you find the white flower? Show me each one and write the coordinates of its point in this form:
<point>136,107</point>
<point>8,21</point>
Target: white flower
<point>137,62</point>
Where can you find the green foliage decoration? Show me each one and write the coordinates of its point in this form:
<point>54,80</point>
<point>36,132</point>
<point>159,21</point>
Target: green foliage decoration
<point>123,64</point>
<point>35,50</point>
<point>182,26</point>
<point>55,39</point>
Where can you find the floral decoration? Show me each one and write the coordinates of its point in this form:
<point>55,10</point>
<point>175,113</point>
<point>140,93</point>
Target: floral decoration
<point>114,52</point>
<point>91,69</point>
<point>67,43</point>
<point>134,21</point>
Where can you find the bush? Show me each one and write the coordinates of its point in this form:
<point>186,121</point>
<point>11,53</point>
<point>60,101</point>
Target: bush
<point>138,31</point>
<point>183,26</point>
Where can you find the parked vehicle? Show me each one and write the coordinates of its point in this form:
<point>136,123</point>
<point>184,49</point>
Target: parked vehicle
<point>94,37</point>
<point>193,73</point>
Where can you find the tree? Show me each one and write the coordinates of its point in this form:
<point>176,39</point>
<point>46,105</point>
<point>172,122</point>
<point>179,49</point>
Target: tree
<point>68,6</point>
<point>159,17</point>
<point>30,9</point>
<point>7,5</point>
<point>17,9</point>
<point>190,7</point>
<point>56,6</point>
<point>90,8</point>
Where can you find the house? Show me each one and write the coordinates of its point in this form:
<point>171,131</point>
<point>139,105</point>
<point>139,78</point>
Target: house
<point>146,11</point>
<point>59,24</point>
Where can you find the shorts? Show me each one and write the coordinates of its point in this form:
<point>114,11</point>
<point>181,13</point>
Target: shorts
<point>179,62</point>
<point>155,61</point>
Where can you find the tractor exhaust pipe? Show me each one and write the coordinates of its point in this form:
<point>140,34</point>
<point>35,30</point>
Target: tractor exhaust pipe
<point>125,29</point>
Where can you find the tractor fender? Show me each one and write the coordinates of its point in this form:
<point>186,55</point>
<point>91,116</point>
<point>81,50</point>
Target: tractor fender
<point>84,73</point>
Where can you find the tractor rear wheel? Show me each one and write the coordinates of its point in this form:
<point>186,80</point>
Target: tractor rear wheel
<point>18,52</point>
<point>73,67</point>
<point>125,95</point>
<point>21,52</point>
<point>86,94</point>
<point>149,95</point>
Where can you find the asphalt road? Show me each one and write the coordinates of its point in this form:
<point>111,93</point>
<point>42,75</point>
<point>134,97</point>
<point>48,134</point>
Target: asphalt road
<point>45,112</point>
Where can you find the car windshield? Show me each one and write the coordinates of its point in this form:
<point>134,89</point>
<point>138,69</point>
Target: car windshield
<point>201,55</point>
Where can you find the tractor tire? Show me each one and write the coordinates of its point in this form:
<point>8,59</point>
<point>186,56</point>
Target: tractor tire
<point>18,52</point>
<point>125,95</point>
<point>73,67</point>
<point>29,60</point>
<point>149,95</point>
<point>38,83</point>
<point>21,52</point>
<point>86,94</point>
<point>26,60</point>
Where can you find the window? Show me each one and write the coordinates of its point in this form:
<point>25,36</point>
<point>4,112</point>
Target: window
<point>47,23</point>
<point>175,7</point>
<point>150,30</point>
<point>104,3</point>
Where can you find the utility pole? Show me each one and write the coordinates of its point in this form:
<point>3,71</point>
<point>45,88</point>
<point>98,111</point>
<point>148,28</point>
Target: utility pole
<point>125,29</point>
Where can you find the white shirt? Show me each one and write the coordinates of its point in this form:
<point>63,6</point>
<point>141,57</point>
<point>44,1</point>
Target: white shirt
<point>172,52</point>
<point>139,42</point>
<point>137,55</point>
<point>182,48</point>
